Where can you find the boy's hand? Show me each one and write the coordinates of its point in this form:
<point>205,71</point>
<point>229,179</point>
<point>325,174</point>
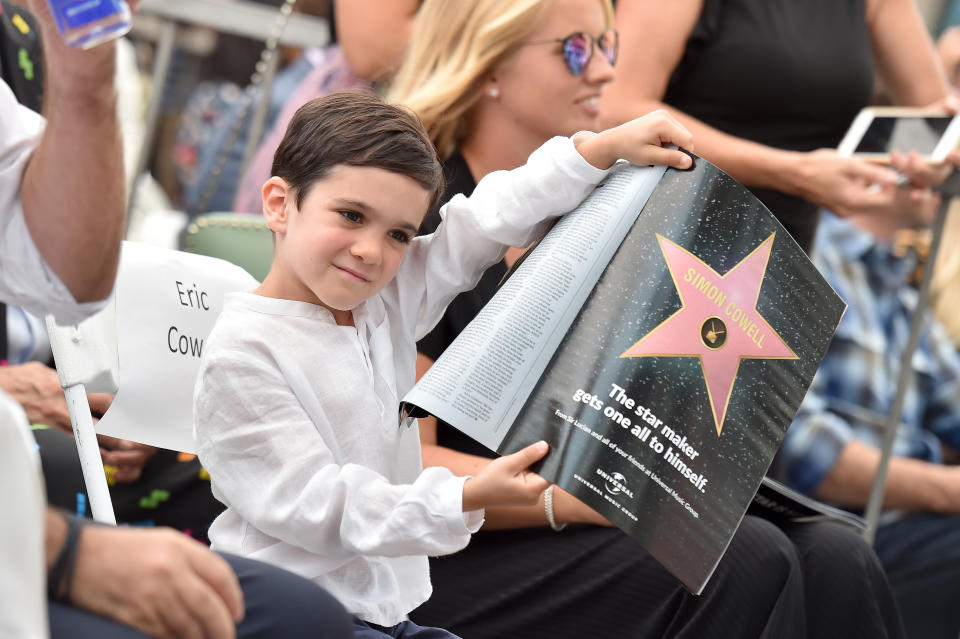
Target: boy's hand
<point>506,482</point>
<point>640,142</point>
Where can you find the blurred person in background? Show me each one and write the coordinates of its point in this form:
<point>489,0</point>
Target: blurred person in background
<point>492,80</point>
<point>367,44</point>
<point>769,87</point>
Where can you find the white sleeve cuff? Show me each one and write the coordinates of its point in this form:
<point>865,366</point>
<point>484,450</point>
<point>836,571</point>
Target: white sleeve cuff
<point>450,497</point>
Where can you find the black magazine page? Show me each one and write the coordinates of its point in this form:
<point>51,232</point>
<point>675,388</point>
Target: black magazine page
<point>782,504</point>
<point>670,393</point>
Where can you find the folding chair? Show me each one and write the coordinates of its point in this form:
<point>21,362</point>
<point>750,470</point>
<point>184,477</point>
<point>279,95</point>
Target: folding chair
<point>240,238</point>
<point>23,602</point>
<point>144,348</point>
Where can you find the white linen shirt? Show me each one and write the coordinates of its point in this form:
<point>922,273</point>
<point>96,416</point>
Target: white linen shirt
<point>25,278</point>
<point>296,418</point>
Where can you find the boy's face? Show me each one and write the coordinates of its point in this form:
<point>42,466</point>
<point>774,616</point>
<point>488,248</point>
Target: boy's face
<point>347,239</point>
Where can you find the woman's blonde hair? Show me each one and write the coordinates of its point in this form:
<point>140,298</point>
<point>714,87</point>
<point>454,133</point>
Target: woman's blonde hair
<point>455,45</point>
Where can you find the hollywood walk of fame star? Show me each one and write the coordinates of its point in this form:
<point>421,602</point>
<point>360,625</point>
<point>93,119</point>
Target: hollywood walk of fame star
<point>718,321</point>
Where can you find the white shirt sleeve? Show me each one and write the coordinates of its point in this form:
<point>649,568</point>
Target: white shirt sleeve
<point>25,278</point>
<point>278,470</point>
<point>507,208</point>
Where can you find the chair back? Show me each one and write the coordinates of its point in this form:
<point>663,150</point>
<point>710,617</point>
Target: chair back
<point>144,348</point>
<point>241,238</point>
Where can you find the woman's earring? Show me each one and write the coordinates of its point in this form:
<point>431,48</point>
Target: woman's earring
<point>494,92</point>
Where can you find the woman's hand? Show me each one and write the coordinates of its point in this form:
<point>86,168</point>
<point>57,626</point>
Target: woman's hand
<point>921,174</point>
<point>844,185</point>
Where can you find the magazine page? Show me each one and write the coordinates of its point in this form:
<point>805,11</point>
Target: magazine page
<point>670,393</point>
<point>483,378</point>
<point>780,503</point>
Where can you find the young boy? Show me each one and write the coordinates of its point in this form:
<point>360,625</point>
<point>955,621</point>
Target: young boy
<point>296,406</point>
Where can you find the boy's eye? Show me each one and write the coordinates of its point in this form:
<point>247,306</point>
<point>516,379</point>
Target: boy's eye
<point>400,236</point>
<point>350,216</point>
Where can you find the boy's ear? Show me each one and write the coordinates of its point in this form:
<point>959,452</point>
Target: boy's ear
<point>278,197</point>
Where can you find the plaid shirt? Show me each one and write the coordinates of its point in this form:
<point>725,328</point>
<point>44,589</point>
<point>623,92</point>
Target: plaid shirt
<point>853,390</point>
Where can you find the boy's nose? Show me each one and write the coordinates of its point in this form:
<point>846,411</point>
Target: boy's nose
<point>368,250</point>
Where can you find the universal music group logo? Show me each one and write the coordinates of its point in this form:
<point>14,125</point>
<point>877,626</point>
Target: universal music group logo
<point>615,483</point>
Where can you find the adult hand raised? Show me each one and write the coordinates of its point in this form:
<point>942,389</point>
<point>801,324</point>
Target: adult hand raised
<point>73,69</point>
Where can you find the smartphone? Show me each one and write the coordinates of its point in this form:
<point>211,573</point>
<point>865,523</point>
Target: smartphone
<point>878,131</point>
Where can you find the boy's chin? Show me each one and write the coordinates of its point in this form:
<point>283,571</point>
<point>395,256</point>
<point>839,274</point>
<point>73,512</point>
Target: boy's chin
<point>340,305</point>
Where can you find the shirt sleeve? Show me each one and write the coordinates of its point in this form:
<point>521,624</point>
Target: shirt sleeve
<point>507,208</point>
<point>814,441</point>
<point>272,465</point>
<point>941,414</point>
<point>25,278</point>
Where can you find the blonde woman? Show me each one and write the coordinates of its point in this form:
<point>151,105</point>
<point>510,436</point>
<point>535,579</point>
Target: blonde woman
<point>492,80</point>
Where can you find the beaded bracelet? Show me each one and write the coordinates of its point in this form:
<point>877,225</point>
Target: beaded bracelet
<point>60,577</point>
<point>548,509</point>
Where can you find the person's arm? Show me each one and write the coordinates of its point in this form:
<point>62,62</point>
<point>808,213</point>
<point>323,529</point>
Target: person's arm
<point>514,208</point>
<point>36,388</point>
<point>912,484</point>
<point>158,581</point>
<point>374,34</point>
<point>73,186</point>
<point>507,208</point>
<point>822,456</point>
<point>567,508</point>
<point>295,488</point>
<point>653,37</point>
<point>905,56</point>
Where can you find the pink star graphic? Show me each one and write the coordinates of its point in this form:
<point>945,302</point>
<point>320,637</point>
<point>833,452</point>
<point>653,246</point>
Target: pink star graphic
<point>718,321</point>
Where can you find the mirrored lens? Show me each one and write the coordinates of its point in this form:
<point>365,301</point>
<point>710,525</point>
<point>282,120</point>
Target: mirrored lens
<point>576,51</point>
<point>608,43</point>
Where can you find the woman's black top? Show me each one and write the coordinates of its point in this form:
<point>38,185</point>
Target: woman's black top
<point>791,74</point>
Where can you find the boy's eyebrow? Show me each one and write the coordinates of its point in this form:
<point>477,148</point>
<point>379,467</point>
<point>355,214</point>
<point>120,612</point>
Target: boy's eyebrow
<point>409,227</point>
<point>355,204</point>
<point>363,207</point>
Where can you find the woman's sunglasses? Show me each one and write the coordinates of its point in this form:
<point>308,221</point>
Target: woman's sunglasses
<point>578,48</point>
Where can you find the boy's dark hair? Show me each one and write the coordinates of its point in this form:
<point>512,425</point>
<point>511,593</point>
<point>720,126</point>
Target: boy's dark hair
<point>356,128</point>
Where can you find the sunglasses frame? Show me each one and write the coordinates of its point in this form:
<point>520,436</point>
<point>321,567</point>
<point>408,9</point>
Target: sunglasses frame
<point>594,46</point>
